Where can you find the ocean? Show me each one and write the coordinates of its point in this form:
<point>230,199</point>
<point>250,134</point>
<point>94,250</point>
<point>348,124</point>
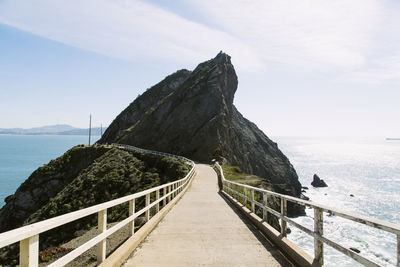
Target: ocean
<point>368,168</point>
<point>20,155</point>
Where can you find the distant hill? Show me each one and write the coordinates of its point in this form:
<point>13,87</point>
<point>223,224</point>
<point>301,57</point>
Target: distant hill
<point>59,129</point>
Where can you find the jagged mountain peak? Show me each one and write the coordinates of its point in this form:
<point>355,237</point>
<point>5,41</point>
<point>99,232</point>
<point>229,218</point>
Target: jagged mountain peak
<point>196,117</point>
<point>221,57</point>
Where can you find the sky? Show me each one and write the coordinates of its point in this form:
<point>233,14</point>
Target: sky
<point>305,68</point>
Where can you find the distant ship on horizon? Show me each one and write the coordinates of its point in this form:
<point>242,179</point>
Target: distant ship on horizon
<point>391,139</point>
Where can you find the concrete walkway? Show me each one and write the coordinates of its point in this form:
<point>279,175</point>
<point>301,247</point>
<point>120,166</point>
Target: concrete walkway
<point>203,230</point>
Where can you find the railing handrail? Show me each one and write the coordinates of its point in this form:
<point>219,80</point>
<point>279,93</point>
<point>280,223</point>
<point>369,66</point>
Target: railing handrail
<point>372,222</point>
<point>28,231</point>
<point>23,232</point>
<point>147,151</point>
<point>387,226</point>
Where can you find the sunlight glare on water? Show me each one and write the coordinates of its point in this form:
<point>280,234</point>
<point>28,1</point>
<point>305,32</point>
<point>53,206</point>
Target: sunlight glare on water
<point>367,168</point>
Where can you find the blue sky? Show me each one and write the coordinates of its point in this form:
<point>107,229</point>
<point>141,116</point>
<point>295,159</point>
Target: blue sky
<point>305,67</point>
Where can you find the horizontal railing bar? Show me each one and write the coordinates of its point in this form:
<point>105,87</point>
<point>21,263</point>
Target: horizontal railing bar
<point>274,212</point>
<point>279,215</point>
<point>333,244</point>
<point>92,242</point>
<point>24,232</point>
<point>129,147</point>
<point>357,257</point>
<point>301,227</point>
<point>375,223</point>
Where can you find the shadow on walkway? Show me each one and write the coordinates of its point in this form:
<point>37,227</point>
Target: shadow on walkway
<point>268,245</point>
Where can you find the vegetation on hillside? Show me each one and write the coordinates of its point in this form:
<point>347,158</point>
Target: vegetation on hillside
<point>235,174</point>
<point>113,174</point>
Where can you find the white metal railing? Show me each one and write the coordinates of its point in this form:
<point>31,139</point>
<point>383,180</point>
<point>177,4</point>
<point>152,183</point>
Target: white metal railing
<point>235,191</point>
<point>28,236</point>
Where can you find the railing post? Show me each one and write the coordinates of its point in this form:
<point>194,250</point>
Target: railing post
<point>147,214</point>
<point>165,199</point>
<point>245,196</point>
<point>398,250</point>
<point>265,212</point>
<point>169,191</point>
<point>102,226</point>
<point>318,229</point>
<point>283,213</point>
<point>253,207</point>
<point>29,251</point>
<point>158,203</point>
<point>237,193</point>
<point>131,212</point>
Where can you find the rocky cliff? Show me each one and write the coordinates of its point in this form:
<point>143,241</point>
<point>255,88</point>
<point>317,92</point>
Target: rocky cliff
<point>192,114</point>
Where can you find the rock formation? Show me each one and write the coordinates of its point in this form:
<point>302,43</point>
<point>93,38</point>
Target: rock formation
<point>192,114</point>
<point>318,182</point>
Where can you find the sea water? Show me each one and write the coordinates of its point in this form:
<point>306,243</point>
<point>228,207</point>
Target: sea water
<point>369,169</point>
<point>20,155</point>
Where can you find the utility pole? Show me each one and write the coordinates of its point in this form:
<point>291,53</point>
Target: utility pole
<point>90,127</point>
<point>101,130</point>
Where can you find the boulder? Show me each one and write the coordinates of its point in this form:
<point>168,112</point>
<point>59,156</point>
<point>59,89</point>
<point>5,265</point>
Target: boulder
<point>318,182</point>
<point>355,250</point>
<point>304,197</point>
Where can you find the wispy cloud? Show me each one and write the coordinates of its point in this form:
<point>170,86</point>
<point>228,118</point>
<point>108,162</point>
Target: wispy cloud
<point>381,70</point>
<point>353,40</point>
<point>303,33</point>
<point>335,37</point>
<point>123,29</point>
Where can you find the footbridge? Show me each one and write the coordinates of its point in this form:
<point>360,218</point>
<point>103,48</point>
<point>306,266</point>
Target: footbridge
<point>200,220</point>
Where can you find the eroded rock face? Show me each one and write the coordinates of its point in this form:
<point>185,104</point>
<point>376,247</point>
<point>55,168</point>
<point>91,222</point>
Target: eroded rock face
<point>197,118</point>
<point>137,108</point>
